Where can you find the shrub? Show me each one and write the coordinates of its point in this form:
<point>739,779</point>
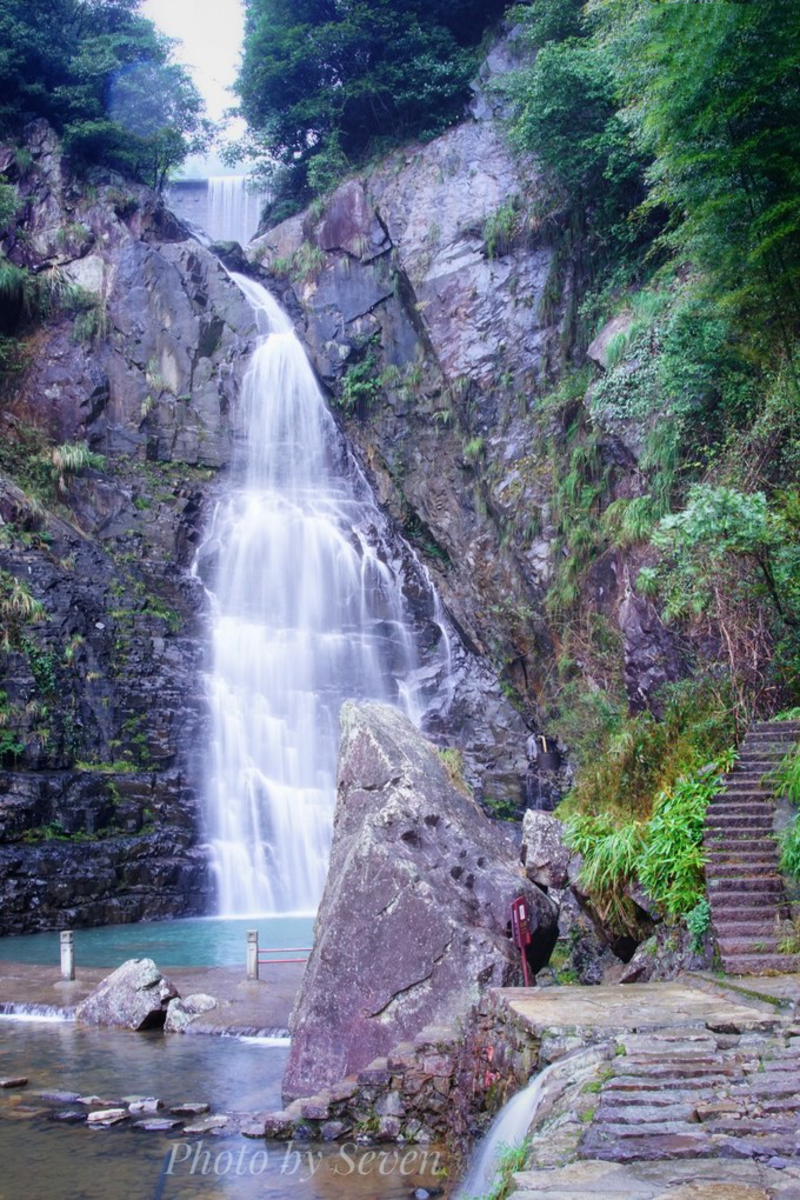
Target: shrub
<point>671,869</point>
<point>70,459</point>
<point>785,779</point>
<point>643,756</point>
<point>18,607</point>
<point>790,850</point>
<point>611,853</point>
<point>454,765</point>
<point>360,385</point>
<point>697,922</point>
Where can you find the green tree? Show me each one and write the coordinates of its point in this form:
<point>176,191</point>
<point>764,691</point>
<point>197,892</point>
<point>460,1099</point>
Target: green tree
<point>101,74</point>
<point>712,96</point>
<point>324,83</point>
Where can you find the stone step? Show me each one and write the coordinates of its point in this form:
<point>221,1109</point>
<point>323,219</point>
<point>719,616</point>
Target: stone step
<point>777,730</point>
<point>748,945</point>
<point>754,906</point>
<point>600,1144</point>
<point>769,752</point>
<point>750,1126</point>
<point>732,855</point>
<point>720,840</point>
<point>732,806</point>
<point>760,964</point>
<point>744,929</point>
<point>744,789</point>
<point>722,822</point>
<point>765,748</point>
<point>742,795</point>
<point>733,887</point>
<point>791,726</point>
<point>734,870</point>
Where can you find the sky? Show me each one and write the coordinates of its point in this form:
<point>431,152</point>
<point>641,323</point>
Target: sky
<point>209,35</point>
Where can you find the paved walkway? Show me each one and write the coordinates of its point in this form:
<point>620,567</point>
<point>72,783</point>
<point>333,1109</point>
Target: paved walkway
<point>587,1012</point>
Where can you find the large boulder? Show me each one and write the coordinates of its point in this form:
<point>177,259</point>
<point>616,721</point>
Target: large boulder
<point>135,996</point>
<point>413,922</point>
<point>544,852</point>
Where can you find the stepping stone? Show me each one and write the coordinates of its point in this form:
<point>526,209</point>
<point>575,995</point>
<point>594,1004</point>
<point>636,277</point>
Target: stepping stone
<point>14,1081</point>
<point>157,1125</point>
<point>190,1110</point>
<point>148,1105</point>
<point>107,1116</point>
<point>206,1124</point>
<point>59,1097</point>
<point>69,1117</point>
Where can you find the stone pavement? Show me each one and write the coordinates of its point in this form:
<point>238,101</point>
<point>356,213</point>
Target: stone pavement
<point>688,1090</point>
<point>660,1181</point>
<point>589,1012</point>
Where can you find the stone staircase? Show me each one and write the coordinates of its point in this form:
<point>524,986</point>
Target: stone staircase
<point>690,1112</point>
<point>745,888</point>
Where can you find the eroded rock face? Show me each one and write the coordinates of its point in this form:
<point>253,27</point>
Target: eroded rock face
<point>135,997</point>
<point>103,696</point>
<point>434,269</point>
<point>413,922</point>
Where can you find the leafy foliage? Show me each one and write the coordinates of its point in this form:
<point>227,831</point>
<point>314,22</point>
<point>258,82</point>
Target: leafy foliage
<point>18,608</point>
<point>785,779</point>
<point>711,97</point>
<point>790,850</point>
<point>102,76</point>
<point>70,459</point>
<point>646,787</point>
<point>361,384</point>
<point>672,866</point>
<point>698,921</point>
<point>665,854</point>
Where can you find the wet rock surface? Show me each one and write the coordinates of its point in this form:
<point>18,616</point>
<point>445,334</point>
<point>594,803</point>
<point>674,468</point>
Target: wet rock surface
<point>413,922</point>
<point>182,1012</point>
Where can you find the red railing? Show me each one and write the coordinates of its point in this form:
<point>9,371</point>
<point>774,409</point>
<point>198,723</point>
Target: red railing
<point>266,962</point>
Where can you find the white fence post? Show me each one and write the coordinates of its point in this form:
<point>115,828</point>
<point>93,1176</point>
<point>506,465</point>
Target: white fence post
<point>67,954</point>
<point>252,954</point>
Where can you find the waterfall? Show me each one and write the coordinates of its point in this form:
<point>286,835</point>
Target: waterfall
<point>308,612</point>
<point>234,209</point>
<point>507,1131</point>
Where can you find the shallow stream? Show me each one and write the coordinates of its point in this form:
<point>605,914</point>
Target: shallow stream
<point>45,1160</point>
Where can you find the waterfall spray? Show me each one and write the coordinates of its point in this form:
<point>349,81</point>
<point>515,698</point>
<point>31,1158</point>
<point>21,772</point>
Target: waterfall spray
<point>307,613</point>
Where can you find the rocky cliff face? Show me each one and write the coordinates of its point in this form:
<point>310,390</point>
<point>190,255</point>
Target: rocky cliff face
<point>132,344</point>
<point>136,353</point>
<point>439,309</point>
<point>413,922</point>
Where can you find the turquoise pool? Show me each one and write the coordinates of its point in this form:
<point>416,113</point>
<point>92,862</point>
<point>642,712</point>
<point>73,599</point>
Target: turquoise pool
<point>193,942</point>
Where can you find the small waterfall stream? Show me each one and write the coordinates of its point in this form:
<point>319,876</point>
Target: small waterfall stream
<point>507,1131</point>
<point>307,613</point>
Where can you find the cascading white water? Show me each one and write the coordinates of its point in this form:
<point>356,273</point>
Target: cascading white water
<point>507,1131</point>
<point>306,615</point>
<point>234,209</point>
